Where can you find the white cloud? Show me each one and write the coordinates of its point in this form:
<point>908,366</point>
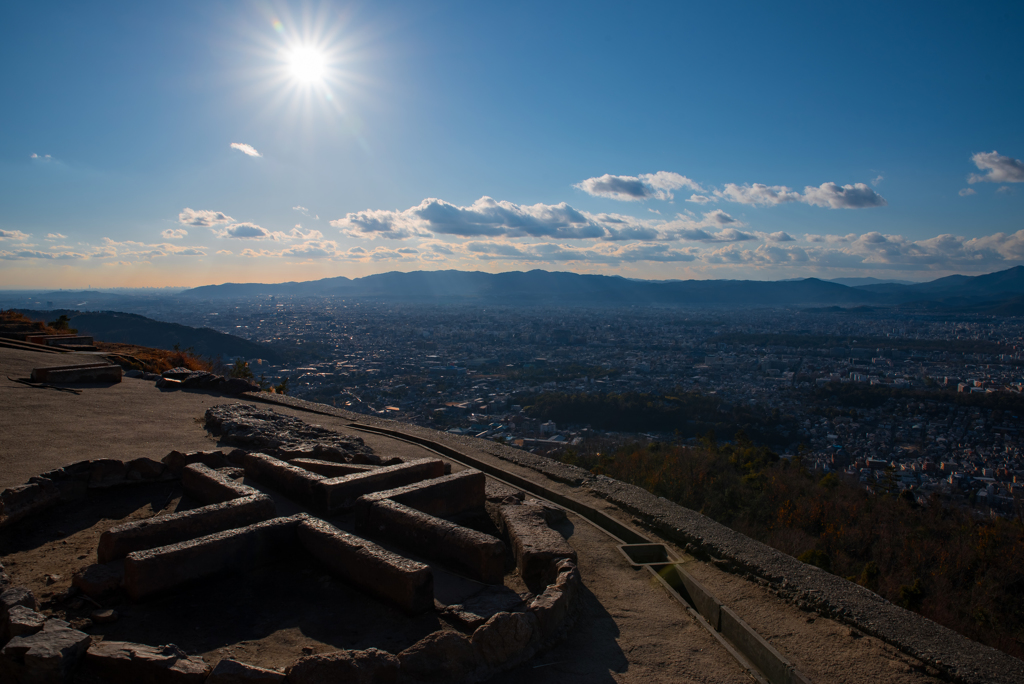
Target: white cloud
<point>305,212</point>
<point>878,179</point>
<point>998,168</point>
<point>44,157</point>
<point>831,195</point>
<point>637,188</point>
<point>202,218</point>
<point>246,149</point>
<point>966,192</point>
<point>13,235</point>
<point>758,194</point>
<point>701,199</point>
<point>56,236</point>
<point>1005,190</point>
<point>37,254</point>
<point>245,231</point>
<point>174,234</point>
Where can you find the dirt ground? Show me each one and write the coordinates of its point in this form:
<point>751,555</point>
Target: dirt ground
<point>630,629</point>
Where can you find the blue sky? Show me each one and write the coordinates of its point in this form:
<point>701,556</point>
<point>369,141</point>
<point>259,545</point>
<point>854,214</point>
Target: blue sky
<point>155,144</point>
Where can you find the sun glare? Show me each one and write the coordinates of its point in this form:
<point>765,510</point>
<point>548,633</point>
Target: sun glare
<point>307,64</point>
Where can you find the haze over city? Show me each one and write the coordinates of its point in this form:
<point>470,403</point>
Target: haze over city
<point>201,143</point>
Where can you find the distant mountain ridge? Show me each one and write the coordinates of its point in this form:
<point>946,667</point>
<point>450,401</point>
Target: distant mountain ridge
<point>555,287</point>
<point>127,328</point>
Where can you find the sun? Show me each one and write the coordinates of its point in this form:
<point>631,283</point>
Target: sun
<point>307,64</point>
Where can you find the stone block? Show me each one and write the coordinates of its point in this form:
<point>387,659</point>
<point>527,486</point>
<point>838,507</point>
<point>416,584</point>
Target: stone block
<point>237,386</point>
<point>340,493</point>
<point>99,579</point>
<point>552,608</point>
<point>15,596</point>
<point>372,666</point>
<point>496,492</point>
<point>21,621</point>
<point>404,583</point>
<point>536,546</point>
<point>209,486</point>
<point>146,468</point>
<point>165,568</point>
<point>139,535</point>
<point>475,554</point>
<point>482,606</point>
<point>20,502</point>
<point>442,497</point>
<point>297,483</point>
<point>47,657</point>
<point>230,671</point>
<point>92,372</point>
<point>439,657</point>
<point>176,460</point>
<point>106,472</point>
<point>123,661</point>
<point>504,638</point>
<point>329,468</point>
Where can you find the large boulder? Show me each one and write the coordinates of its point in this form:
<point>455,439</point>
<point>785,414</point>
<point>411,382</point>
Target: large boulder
<point>372,666</point>
<point>46,657</point>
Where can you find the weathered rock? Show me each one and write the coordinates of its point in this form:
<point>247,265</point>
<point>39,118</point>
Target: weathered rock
<point>21,621</point>
<point>167,567</point>
<point>266,431</point>
<point>479,608</point>
<point>104,616</point>
<point>237,386</point>
<point>168,383</point>
<point>472,553</point>
<point>536,546</point>
<point>11,598</point>
<point>99,579</point>
<point>123,661</point>
<point>201,380</point>
<point>372,666</point>
<point>15,596</point>
<point>439,657</point>
<point>404,583</point>
<point>133,373</point>
<point>48,656</point>
<point>176,460</point>
<point>152,377</point>
<point>178,373</point>
<point>230,671</point>
<point>497,492</point>
<point>104,472</point>
<point>147,468</point>
<point>504,638</point>
<point>28,499</point>
<point>552,608</point>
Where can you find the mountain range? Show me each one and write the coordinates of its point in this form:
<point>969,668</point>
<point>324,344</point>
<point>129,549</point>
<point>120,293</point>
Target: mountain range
<point>999,293</point>
<point>1002,291</point>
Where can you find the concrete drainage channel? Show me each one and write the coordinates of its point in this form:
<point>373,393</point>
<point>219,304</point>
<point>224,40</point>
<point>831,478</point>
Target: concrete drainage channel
<point>763,662</point>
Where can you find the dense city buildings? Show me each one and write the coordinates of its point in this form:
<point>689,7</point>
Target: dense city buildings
<point>924,403</point>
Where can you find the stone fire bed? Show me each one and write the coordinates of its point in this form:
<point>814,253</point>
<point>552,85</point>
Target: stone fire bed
<point>237,528</point>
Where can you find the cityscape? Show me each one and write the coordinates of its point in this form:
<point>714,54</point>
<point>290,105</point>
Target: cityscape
<point>937,411</point>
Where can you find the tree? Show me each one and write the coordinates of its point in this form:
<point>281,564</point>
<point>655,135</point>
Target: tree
<point>241,370</point>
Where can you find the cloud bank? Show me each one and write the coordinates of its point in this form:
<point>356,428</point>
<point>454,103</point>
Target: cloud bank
<point>661,185</point>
